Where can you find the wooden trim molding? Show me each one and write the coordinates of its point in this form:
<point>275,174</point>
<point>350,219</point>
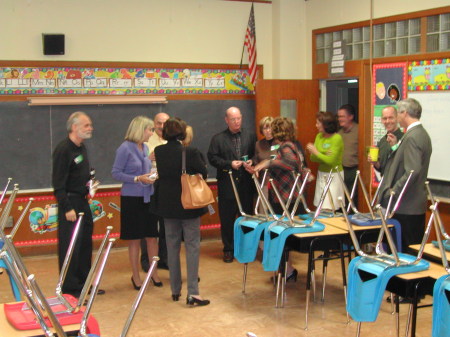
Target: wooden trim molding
<point>400,17</point>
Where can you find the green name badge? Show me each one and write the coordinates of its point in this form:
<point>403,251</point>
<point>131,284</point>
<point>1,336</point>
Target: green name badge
<point>274,147</point>
<point>78,159</point>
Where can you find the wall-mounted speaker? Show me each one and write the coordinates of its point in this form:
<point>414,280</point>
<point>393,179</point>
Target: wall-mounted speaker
<point>53,44</point>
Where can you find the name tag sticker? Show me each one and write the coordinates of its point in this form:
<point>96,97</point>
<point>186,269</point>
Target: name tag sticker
<point>326,146</point>
<point>78,159</point>
<point>274,147</point>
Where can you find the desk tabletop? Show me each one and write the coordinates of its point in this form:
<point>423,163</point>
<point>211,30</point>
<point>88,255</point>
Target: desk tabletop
<point>328,231</point>
<point>430,249</point>
<point>340,222</point>
<point>435,271</point>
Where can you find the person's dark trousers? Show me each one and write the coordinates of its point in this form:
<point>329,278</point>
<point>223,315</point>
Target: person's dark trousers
<point>229,210</point>
<point>162,248</point>
<point>413,229</point>
<point>349,178</point>
<point>80,263</point>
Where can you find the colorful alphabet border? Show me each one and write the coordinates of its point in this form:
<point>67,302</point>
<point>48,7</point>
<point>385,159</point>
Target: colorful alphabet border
<point>122,81</point>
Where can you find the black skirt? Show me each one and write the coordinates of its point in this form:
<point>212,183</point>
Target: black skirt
<point>136,219</point>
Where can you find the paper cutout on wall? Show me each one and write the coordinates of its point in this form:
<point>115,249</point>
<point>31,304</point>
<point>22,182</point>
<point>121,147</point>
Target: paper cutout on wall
<point>44,220</point>
<point>429,75</point>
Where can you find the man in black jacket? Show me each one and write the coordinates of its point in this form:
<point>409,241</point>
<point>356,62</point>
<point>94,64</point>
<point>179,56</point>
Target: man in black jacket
<point>70,175</point>
<point>231,150</point>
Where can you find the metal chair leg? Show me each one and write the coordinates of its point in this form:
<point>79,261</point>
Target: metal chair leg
<point>408,320</point>
<point>324,280</point>
<point>392,303</point>
<point>344,278</point>
<point>345,298</point>
<point>283,285</point>
<point>324,274</point>
<point>397,315</point>
<point>307,308</point>
<point>358,330</point>
<point>313,284</point>
<point>279,277</point>
<point>244,278</point>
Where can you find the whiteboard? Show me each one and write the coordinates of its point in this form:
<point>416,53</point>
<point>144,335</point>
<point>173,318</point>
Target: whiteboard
<point>436,120</point>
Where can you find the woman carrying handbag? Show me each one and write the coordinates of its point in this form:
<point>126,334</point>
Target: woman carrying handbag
<point>180,223</point>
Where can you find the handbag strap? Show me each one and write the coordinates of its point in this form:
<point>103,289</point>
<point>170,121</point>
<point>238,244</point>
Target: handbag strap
<point>183,161</point>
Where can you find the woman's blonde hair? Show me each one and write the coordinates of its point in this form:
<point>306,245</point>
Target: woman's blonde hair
<point>135,132</point>
<point>265,121</point>
<point>189,136</point>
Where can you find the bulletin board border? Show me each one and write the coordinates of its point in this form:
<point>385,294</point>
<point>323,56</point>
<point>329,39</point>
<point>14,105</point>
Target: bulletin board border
<point>25,78</point>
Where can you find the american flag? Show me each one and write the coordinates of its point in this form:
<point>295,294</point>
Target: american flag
<point>250,43</point>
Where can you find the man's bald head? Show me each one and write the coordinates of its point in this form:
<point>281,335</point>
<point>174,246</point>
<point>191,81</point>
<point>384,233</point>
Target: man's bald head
<point>233,118</point>
<point>389,118</point>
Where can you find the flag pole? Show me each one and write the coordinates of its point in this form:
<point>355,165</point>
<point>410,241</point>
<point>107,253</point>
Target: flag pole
<point>243,48</point>
<point>242,55</point>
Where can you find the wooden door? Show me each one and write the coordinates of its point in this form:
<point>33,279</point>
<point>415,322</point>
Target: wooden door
<point>269,94</point>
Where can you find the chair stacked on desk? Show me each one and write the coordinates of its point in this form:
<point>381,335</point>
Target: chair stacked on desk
<point>68,310</point>
<point>277,232</point>
<point>371,218</point>
<point>249,229</point>
<point>369,274</point>
<point>441,290</point>
<point>3,219</point>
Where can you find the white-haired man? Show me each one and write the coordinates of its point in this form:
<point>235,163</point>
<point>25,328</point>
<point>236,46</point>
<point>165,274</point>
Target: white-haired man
<point>70,176</point>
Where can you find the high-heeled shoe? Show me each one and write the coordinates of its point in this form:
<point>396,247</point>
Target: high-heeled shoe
<point>156,284</point>
<point>292,276</point>
<point>192,301</point>
<point>176,297</point>
<point>136,287</point>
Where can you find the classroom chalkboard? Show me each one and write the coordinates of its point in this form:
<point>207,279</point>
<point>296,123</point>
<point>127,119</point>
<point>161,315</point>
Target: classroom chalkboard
<point>28,134</point>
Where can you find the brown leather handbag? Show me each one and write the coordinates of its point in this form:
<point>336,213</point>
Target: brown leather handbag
<point>195,192</point>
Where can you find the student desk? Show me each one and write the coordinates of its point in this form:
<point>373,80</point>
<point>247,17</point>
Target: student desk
<point>425,280</point>
<point>364,234</point>
<point>415,285</point>
<point>331,238</point>
<point>431,252</point>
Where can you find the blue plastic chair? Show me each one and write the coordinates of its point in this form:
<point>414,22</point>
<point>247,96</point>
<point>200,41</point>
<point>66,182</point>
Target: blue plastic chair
<point>367,280</point>
<point>441,307</point>
<point>441,290</point>
<point>13,283</point>
<point>368,275</point>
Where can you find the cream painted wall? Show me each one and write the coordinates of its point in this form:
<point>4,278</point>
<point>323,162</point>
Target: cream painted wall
<point>184,31</point>
<point>191,31</point>
<point>326,13</point>
<point>289,30</point>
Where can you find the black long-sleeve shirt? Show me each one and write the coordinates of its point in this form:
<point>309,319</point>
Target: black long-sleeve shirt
<point>71,172</point>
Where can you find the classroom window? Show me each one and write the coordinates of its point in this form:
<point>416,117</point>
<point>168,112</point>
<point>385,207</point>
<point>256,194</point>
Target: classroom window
<point>438,33</point>
<point>389,39</point>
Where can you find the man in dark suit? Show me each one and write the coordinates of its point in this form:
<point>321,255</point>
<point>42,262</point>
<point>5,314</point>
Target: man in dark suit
<point>231,150</point>
<point>412,152</point>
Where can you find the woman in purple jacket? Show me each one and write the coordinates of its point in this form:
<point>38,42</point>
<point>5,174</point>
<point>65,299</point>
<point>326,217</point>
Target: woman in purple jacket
<point>132,167</point>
